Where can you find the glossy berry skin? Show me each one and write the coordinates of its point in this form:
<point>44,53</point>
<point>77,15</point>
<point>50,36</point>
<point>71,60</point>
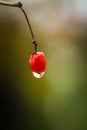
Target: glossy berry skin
<point>37,62</point>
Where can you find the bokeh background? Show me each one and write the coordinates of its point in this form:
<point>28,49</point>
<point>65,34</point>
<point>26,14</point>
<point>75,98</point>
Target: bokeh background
<point>58,100</point>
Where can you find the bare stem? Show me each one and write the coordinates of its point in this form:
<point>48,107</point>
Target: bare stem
<point>19,5</point>
<point>29,25</point>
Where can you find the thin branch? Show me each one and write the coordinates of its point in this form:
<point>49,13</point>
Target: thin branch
<point>19,5</point>
<point>33,39</point>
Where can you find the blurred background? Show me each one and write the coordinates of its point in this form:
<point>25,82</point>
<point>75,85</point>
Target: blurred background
<point>58,100</point>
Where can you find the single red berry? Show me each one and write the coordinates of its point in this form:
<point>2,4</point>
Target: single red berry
<point>37,62</point>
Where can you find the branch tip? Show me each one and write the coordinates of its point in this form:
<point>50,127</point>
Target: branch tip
<point>20,4</point>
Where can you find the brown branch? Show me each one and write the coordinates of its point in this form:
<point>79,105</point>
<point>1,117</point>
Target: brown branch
<point>19,5</point>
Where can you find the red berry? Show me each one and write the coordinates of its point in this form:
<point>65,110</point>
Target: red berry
<point>37,62</point>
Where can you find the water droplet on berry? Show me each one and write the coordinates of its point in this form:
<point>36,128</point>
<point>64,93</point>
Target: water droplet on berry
<point>38,75</point>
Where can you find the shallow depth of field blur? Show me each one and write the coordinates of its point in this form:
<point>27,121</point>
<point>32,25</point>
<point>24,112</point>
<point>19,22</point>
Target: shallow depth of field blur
<point>58,100</point>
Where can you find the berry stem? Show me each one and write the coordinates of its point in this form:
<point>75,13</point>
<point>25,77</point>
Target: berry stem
<point>19,5</point>
<point>29,25</point>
